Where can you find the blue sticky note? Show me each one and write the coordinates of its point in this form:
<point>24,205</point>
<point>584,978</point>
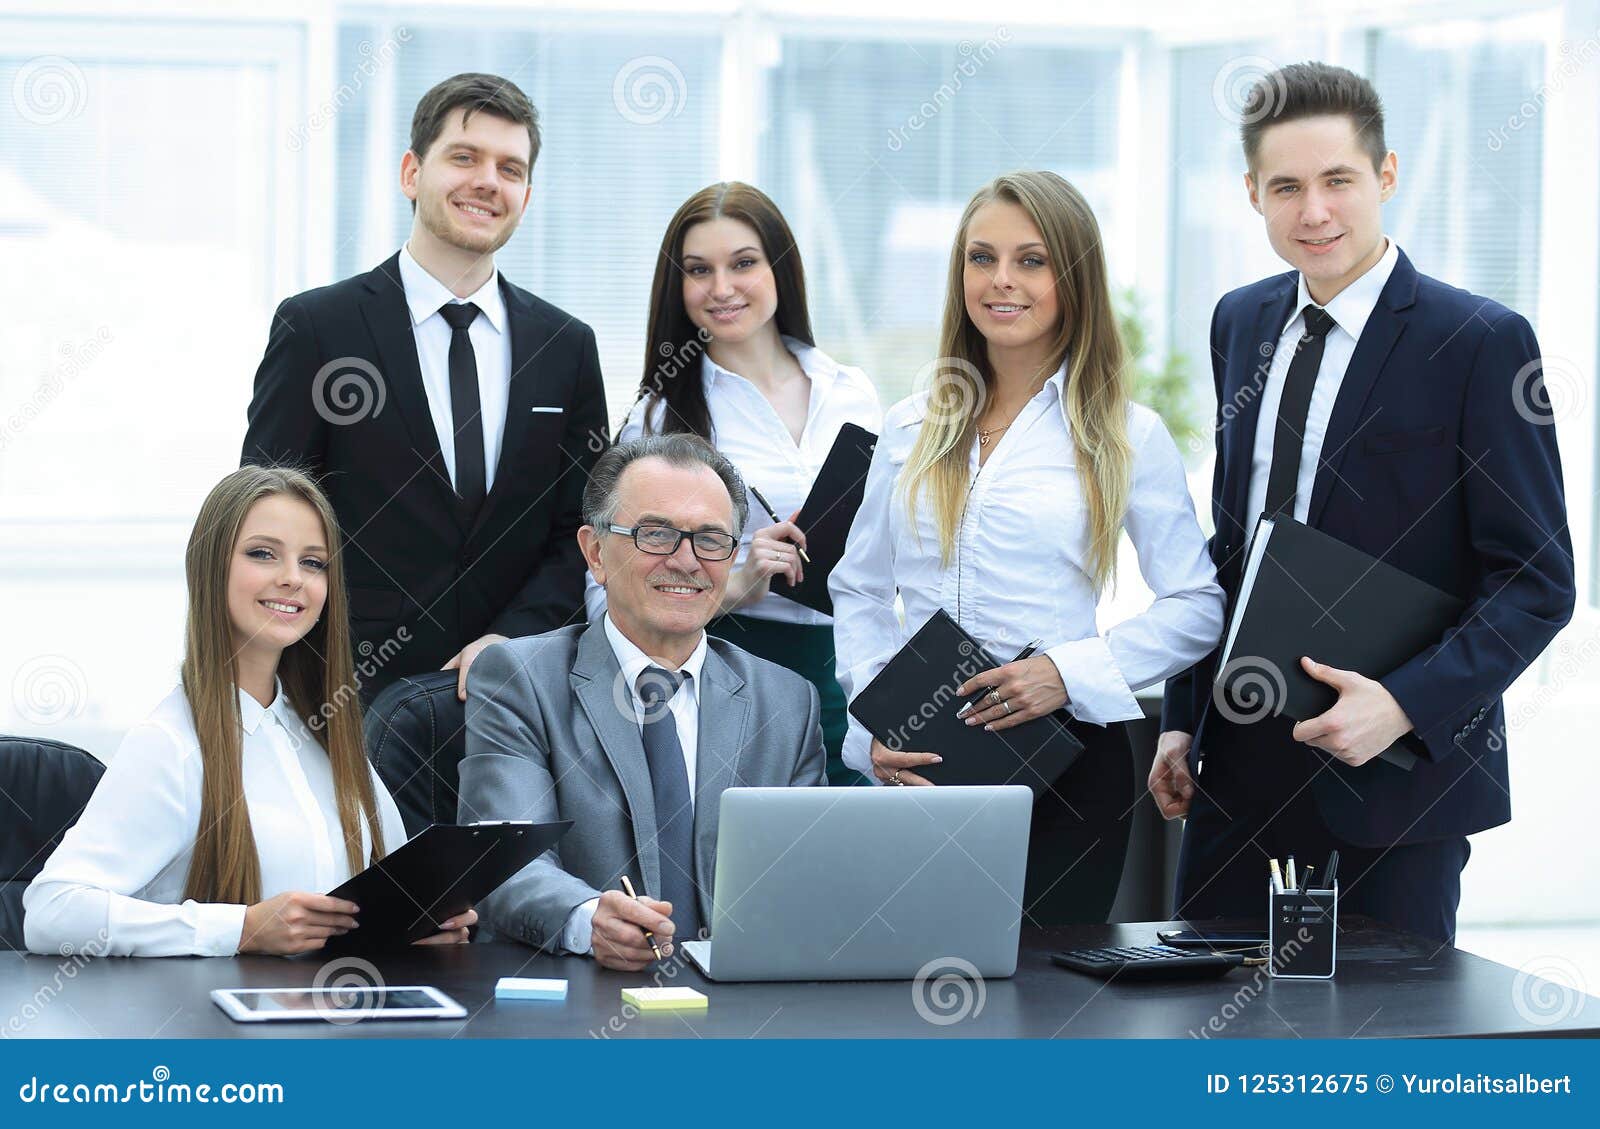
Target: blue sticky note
<point>523,988</point>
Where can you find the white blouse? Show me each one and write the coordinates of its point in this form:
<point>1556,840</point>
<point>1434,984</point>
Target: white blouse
<point>1021,567</point>
<point>115,885</point>
<point>748,430</point>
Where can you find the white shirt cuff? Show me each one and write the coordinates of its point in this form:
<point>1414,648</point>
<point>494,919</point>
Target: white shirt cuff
<point>218,928</point>
<point>1096,689</point>
<point>577,935</point>
<point>856,751</point>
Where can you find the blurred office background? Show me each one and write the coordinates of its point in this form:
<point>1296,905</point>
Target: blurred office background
<point>170,171</point>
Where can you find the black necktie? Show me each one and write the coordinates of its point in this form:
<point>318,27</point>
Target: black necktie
<point>1289,437</point>
<point>465,409</point>
<point>669,784</point>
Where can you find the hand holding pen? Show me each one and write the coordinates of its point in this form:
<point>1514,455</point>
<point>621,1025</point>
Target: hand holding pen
<point>1027,687</point>
<point>775,550</point>
<point>630,932</point>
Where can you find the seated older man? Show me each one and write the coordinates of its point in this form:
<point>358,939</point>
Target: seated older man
<point>633,726</point>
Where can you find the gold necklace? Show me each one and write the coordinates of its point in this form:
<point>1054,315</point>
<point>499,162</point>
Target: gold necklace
<point>983,435</point>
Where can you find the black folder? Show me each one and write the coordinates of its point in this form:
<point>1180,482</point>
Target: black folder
<point>829,510</point>
<point>1306,593</point>
<point>437,874</point>
<point>912,705</point>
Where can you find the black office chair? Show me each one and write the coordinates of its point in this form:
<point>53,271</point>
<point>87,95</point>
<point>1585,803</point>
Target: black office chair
<point>416,733</point>
<point>46,784</point>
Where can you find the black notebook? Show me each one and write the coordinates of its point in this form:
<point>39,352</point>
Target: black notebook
<point>912,705</point>
<point>439,873</point>
<point>829,510</point>
<point>1306,593</point>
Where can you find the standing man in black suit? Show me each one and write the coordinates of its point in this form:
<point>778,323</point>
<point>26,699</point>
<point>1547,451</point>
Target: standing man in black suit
<point>1404,417</point>
<point>451,416</point>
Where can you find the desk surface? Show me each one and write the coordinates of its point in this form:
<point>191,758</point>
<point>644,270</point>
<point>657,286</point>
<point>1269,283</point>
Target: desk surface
<point>1389,985</point>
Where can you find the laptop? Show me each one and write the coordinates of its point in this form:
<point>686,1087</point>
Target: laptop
<point>866,883</point>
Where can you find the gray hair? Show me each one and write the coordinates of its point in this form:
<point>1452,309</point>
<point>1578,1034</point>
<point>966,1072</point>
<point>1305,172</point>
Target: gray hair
<point>681,449</point>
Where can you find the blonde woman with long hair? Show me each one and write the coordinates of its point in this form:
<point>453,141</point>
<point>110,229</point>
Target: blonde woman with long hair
<point>248,788</point>
<point>999,492</point>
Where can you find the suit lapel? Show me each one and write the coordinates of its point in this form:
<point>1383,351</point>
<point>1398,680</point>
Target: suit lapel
<point>1274,313</point>
<point>389,321</point>
<point>529,336</point>
<point>1350,412</point>
<point>596,683</point>
<point>724,715</point>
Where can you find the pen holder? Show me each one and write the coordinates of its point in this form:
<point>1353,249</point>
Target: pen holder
<point>1302,933</point>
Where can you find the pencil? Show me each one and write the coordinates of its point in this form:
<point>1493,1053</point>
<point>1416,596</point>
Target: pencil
<point>627,887</point>
<point>773,514</point>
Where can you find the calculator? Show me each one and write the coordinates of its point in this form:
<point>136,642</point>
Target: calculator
<point>1147,962</point>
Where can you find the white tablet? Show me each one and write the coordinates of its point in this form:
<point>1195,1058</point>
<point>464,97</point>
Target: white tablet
<point>336,1004</point>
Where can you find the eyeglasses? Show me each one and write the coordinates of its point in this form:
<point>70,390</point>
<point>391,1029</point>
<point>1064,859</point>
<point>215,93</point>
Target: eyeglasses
<point>663,540</point>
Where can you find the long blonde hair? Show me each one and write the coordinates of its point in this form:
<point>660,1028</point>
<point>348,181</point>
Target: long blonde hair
<point>1095,398</point>
<point>318,679</point>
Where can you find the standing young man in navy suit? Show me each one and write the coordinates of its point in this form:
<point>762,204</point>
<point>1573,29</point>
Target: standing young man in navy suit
<point>451,416</point>
<point>1398,414</point>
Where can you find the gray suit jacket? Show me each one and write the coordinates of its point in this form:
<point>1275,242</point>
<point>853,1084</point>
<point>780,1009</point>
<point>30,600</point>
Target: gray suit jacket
<point>551,735</point>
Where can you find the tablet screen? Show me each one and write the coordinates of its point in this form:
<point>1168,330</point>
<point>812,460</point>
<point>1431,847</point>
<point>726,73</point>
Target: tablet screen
<point>334,1000</point>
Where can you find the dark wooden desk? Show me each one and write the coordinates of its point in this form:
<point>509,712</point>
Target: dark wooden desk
<point>1388,985</point>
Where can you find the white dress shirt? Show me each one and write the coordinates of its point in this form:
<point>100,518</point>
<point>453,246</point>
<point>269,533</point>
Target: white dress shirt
<point>1350,310</point>
<point>491,348</point>
<point>577,935</point>
<point>1021,567</point>
<point>747,429</point>
<point>115,886</point>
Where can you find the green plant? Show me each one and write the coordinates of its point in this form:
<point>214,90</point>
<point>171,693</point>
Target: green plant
<point>1163,387</point>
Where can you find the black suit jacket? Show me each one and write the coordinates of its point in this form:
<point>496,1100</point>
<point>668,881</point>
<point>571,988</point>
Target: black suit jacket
<point>1437,460</point>
<point>339,393</point>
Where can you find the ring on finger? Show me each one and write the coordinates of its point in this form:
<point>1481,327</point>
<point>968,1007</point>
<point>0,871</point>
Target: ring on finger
<point>994,695</point>
<point>1007,705</point>
<point>894,777</point>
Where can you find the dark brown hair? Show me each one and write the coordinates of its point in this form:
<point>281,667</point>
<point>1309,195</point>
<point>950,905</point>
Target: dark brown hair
<point>673,344</point>
<point>1309,90</point>
<point>492,94</point>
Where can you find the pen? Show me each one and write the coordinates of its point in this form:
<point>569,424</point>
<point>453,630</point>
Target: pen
<point>1277,876</point>
<point>1026,652</point>
<point>1288,876</point>
<point>1332,872</point>
<point>1305,878</point>
<point>627,887</point>
<point>773,514</point>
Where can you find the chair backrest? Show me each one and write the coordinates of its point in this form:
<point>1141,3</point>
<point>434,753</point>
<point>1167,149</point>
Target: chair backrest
<point>416,733</point>
<point>47,783</point>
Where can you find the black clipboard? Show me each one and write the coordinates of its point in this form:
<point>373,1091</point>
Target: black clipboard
<point>1306,593</point>
<point>829,511</point>
<point>912,705</point>
<point>437,874</point>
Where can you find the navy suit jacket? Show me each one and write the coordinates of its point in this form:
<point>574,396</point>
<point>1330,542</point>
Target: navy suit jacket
<point>1435,460</point>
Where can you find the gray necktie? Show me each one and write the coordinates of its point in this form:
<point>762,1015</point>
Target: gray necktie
<point>669,784</point>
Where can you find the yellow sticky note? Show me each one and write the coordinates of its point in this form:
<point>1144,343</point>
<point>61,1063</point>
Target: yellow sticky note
<point>665,999</point>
